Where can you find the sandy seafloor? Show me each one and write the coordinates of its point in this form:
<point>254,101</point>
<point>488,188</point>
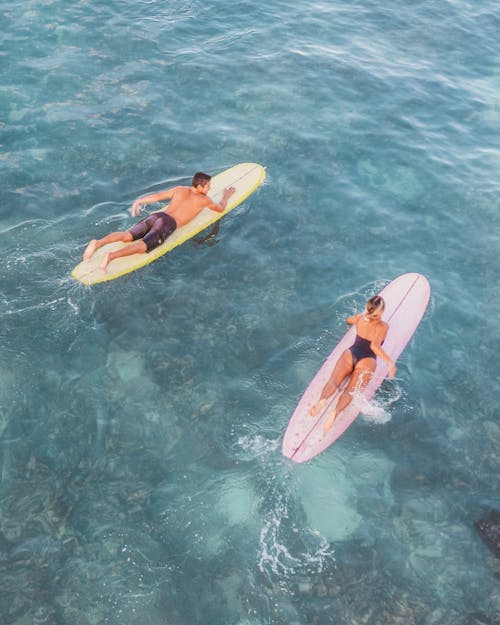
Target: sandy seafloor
<point>141,420</point>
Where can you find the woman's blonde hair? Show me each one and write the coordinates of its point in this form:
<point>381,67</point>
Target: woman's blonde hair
<point>373,306</point>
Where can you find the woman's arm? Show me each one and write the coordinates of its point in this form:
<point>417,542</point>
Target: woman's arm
<point>376,348</point>
<point>352,320</point>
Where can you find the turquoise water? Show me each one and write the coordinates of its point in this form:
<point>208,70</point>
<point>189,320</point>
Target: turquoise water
<point>141,420</point>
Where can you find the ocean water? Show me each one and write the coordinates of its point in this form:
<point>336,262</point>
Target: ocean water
<point>141,474</point>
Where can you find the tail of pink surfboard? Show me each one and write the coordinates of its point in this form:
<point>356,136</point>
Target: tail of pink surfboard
<point>406,300</point>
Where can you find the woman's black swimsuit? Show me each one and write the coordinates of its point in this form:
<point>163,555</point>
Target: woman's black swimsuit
<point>361,349</point>
<point>154,229</point>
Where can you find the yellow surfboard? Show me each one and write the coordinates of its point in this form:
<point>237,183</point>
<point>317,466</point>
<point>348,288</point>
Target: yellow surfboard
<point>245,178</point>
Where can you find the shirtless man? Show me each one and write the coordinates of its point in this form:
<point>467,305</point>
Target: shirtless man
<point>144,236</point>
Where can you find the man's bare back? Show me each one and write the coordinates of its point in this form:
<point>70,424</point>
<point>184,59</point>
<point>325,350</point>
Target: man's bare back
<point>185,205</point>
<point>185,202</point>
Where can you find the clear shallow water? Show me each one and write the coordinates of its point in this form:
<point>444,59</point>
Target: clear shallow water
<point>141,421</point>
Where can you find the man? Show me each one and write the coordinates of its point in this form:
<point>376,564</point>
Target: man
<point>144,236</point>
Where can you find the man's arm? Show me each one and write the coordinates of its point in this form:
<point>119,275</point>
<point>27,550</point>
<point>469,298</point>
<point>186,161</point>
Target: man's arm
<point>221,207</point>
<point>167,194</point>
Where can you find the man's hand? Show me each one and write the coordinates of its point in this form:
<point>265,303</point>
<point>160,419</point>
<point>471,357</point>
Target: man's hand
<point>136,208</point>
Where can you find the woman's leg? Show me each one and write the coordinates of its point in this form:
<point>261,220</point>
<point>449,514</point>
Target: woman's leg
<point>342,369</point>
<point>360,377</point>
<point>95,244</point>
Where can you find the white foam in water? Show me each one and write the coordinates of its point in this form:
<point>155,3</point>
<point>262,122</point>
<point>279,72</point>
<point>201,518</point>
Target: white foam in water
<point>377,410</point>
<point>277,557</point>
<point>372,411</point>
<point>274,555</point>
<point>258,445</point>
<point>74,307</point>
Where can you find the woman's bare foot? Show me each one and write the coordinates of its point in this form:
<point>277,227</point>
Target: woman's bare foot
<point>317,407</point>
<point>329,422</point>
<point>90,249</point>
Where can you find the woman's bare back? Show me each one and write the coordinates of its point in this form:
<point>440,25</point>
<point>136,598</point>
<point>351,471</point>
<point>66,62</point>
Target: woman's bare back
<point>373,331</point>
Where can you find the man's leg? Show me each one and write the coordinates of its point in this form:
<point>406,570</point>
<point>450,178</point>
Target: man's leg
<point>95,244</point>
<point>138,247</point>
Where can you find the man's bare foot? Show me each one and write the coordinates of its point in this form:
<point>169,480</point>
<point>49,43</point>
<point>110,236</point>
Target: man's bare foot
<point>105,262</point>
<point>329,422</point>
<point>90,249</point>
<point>317,407</point>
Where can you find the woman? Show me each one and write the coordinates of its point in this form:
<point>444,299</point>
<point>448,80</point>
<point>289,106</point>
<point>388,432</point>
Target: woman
<point>359,361</point>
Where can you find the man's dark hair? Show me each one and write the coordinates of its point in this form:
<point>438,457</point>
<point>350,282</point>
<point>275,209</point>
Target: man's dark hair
<point>200,179</point>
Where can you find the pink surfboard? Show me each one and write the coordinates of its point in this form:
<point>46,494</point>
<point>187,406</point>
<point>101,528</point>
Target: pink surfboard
<point>406,299</point>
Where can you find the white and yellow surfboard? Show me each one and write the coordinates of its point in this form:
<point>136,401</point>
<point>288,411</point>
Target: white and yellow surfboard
<point>245,178</point>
